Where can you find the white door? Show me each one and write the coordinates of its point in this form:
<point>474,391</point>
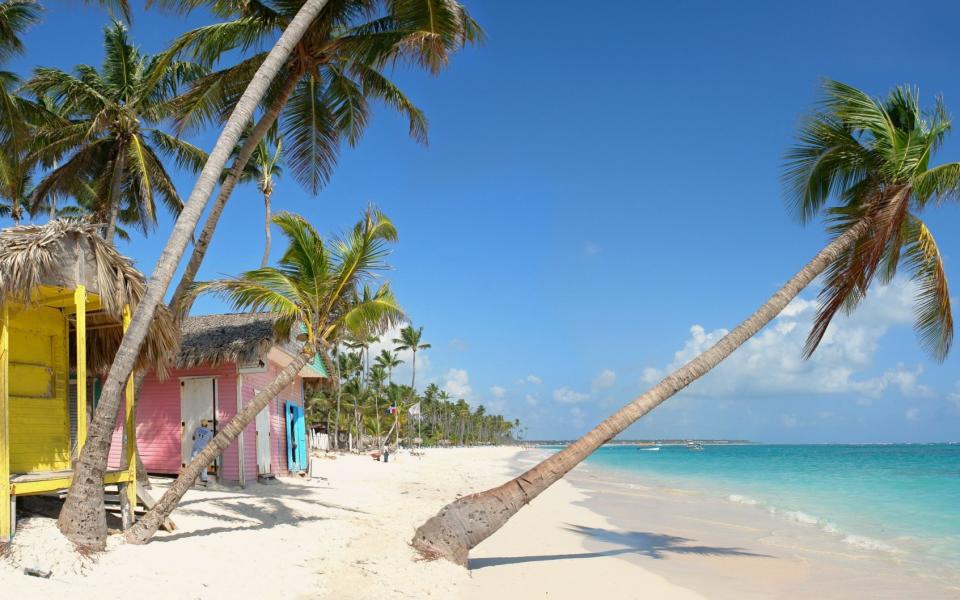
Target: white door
<point>263,441</point>
<point>196,404</point>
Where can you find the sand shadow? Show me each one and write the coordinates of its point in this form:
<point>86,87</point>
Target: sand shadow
<point>640,543</point>
<point>266,513</point>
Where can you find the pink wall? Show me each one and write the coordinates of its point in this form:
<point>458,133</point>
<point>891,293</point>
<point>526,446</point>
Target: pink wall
<point>253,382</point>
<point>158,421</point>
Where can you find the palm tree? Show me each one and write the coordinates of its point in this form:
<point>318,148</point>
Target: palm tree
<point>388,361</point>
<point>871,158</point>
<point>410,340</point>
<point>15,167</point>
<point>321,98</point>
<point>263,168</point>
<point>83,516</point>
<point>109,131</point>
<point>315,285</point>
<point>376,377</point>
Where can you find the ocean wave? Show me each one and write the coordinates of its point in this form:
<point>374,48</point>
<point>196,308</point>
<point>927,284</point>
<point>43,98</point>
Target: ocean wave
<point>796,516</point>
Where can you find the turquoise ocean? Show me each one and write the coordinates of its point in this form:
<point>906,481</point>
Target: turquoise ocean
<point>903,499</point>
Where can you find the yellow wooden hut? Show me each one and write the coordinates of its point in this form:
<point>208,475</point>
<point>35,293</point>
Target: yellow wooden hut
<point>66,296</point>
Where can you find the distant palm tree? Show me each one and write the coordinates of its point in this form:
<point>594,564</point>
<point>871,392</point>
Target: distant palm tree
<point>109,131</point>
<point>410,340</point>
<point>871,157</point>
<point>314,286</point>
<point>263,169</point>
<point>389,361</point>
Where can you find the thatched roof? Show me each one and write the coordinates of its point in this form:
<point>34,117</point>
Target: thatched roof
<point>71,253</point>
<point>229,338</point>
<point>241,338</point>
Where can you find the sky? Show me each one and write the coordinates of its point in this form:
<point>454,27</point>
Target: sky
<point>600,199</point>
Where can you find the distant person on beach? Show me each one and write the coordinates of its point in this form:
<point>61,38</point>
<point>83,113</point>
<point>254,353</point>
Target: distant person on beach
<point>201,437</point>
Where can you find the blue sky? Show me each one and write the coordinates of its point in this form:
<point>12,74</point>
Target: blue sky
<point>600,195</point>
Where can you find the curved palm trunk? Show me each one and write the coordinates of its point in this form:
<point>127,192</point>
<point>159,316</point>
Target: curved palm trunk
<point>144,529</point>
<point>83,517</point>
<point>180,300</point>
<point>463,524</point>
<point>266,228</point>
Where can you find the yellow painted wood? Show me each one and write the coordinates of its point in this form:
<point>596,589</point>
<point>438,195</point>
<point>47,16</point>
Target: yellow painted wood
<point>80,306</point>
<point>59,483</point>
<point>5,516</point>
<point>131,427</point>
<point>37,377</point>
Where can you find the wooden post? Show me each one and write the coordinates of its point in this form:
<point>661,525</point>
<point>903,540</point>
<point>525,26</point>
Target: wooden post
<point>80,305</point>
<point>6,516</point>
<point>129,491</point>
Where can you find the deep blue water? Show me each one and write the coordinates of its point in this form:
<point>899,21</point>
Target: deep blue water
<point>895,498</point>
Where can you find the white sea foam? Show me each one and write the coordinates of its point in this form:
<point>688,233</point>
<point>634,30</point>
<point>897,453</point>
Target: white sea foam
<point>795,516</point>
<point>867,543</point>
<point>738,499</point>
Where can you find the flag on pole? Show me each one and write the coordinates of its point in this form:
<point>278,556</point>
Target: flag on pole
<point>393,409</point>
<point>415,409</point>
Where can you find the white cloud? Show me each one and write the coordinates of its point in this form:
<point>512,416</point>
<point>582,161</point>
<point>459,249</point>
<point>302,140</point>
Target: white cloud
<point>912,414</point>
<point>789,421</point>
<point>864,401</point>
<point>565,395</point>
<point>577,414</point>
<point>457,384</point>
<point>651,375</point>
<point>604,380</point>
<point>533,379</point>
<point>532,400</point>
<point>591,248</point>
<point>955,395</point>
<point>458,344</point>
<point>771,363</point>
<point>498,392</point>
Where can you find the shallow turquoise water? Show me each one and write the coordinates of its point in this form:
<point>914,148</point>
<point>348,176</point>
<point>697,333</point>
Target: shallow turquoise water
<point>903,499</point>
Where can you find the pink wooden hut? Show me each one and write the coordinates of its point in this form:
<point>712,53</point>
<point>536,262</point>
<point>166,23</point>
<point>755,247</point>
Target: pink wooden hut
<point>224,360</point>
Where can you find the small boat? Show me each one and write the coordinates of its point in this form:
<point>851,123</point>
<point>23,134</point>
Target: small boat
<point>695,446</point>
<point>653,449</point>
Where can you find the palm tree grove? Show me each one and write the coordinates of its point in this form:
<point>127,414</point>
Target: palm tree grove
<point>443,298</point>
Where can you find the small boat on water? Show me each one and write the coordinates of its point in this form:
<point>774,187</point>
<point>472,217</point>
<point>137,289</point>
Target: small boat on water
<point>695,446</point>
<point>653,449</point>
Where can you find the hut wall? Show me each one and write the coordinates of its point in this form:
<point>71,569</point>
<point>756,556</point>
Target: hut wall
<point>253,382</point>
<point>158,421</point>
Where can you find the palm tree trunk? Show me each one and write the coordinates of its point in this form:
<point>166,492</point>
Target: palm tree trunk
<point>83,517</point>
<point>266,228</point>
<point>144,529</point>
<point>180,300</point>
<point>111,230</point>
<point>463,524</point>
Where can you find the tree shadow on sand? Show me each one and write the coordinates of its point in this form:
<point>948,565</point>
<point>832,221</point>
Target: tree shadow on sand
<point>241,516</point>
<point>640,543</point>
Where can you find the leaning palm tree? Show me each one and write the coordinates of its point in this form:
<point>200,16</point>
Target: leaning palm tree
<point>862,162</point>
<point>321,97</point>
<point>314,286</point>
<point>410,340</point>
<point>83,517</point>
<point>109,131</point>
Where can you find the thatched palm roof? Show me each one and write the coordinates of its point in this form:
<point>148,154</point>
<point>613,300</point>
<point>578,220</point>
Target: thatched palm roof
<point>240,338</point>
<point>71,253</point>
<point>229,338</point>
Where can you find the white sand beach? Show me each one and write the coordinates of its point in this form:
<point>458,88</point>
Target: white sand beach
<point>346,536</point>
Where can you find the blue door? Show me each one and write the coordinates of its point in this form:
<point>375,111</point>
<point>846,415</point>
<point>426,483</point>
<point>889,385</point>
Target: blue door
<point>296,437</point>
